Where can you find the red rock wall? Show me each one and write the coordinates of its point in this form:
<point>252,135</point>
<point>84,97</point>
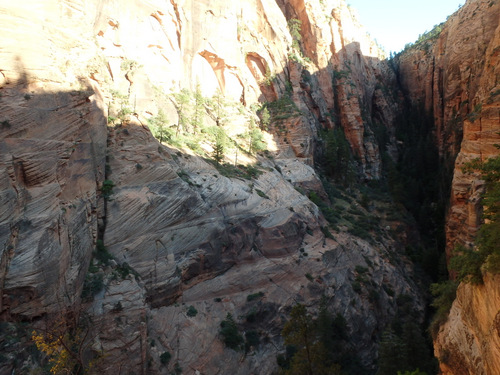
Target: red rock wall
<point>456,80</point>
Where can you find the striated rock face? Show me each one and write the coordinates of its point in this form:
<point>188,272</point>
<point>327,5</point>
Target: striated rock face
<point>180,234</point>
<point>52,141</point>
<point>455,80</point>
<point>189,244</point>
<point>469,342</point>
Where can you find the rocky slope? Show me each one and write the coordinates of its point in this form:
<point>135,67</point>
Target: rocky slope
<point>182,236</point>
<point>161,243</point>
<point>454,78</point>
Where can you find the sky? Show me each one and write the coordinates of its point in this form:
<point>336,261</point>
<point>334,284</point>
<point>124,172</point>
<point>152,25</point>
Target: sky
<point>394,23</point>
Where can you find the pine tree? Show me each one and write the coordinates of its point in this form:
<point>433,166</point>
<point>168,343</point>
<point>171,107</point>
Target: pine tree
<point>217,108</point>
<point>198,110</point>
<point>265,118</point>
<point>311,357</point>
<point>219,143</point>
<point>181,103</point>
<point>392,354</point>
<point>256,138</point>
<point>338,156</point>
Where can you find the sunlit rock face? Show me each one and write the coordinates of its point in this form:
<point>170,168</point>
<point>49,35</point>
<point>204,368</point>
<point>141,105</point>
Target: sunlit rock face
<point>236,47</point>
<point>180,233</point>
<point>52,141</point>
<point>455,79</point>
<point>469,342</point>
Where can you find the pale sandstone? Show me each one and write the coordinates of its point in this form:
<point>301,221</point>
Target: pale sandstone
<point>196,240</point>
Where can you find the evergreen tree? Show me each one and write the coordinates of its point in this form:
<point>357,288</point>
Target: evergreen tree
<point>158,127</point>
<point>219,143</point>
<point>217,108</point>
<point>181,103</point>
<point>256,138</point>
<point>311,357</point>
<point>198,110</point>
<point>469,263</point>
<point>392,354</point>
<point>338,156</point>
<point>229,331</point>
<point>265,118</point>
<point>295,26</point>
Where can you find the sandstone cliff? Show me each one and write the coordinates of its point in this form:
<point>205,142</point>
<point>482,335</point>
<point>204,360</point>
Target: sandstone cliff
<point>469,342</point>
<point>166,242</point>
<point>454,78</point>
<point>182,236</point>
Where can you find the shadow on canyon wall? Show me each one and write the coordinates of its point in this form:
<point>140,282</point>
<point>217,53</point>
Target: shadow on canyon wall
<point>164,220</point>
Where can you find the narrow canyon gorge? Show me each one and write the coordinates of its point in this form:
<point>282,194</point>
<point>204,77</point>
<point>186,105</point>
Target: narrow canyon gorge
<point>178,176</point>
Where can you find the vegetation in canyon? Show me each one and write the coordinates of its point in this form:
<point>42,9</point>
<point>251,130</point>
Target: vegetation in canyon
<point>470,263</point>
<point>300,234</point>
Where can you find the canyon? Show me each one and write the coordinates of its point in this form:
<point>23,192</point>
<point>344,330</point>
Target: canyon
<point>154,243</point>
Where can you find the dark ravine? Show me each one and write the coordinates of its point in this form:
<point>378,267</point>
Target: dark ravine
<point>179,242</point>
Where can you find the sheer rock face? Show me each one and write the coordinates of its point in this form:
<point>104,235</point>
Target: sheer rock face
<point>456,81</point>
<point>469,342</point>
<point>52,153</point>
<point>245,50</point>
<point>192,236</point>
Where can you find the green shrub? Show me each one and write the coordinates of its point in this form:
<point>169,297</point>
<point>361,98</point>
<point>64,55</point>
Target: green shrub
<point>444,294</point>
<point>165,358</point>
<point>191,311</point>
<point>327,233</point>
<point>101,253</point>
<point>255,296</point>
<point>470,263</point>
<point>251,339</point>
<point>360,269</point>
<point>330,215</point>
<point>467,264</point>
<point>251,316</point>
<point>230,334</point>
<point>93,284</point>
<point>338,158</point>
<point>247,172</point>
<point>261,194</point>
<point>107,189</point>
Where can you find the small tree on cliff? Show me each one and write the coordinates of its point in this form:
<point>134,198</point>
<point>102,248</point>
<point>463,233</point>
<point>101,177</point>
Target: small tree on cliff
<point>255,138</point>
<point>217,108</point>
<point>311,356</point>
<point>265,118</point>
<point>219,143</point>
<point>66,342</point>
<point>198,109</point>
<point>159,128</point>
<point>338,156</point>
<point>295,26</point>
<point>470,263</point>
<point>181,102</point>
